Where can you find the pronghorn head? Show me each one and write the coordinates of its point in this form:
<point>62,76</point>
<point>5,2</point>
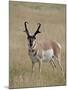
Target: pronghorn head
<point>31,37</point>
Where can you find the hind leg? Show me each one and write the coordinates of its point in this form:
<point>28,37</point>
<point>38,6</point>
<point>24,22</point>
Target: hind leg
<point>52,63</point>
<point>58,59</point>
<point>59,63</point>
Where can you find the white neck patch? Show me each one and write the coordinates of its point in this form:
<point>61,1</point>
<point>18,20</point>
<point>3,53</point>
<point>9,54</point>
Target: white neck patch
<point>34,44</point>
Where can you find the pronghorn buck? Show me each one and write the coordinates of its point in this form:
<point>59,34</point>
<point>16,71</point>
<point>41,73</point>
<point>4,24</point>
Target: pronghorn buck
<point>42,51</point>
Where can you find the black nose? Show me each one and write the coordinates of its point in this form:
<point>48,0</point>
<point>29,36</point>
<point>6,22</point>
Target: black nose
<point>30,43</point>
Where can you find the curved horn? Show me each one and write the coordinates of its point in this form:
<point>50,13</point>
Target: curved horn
<point>37,30</point>
<point>26,30</point>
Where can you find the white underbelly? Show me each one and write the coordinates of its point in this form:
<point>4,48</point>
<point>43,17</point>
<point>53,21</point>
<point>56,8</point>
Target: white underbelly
<point>47,55</point>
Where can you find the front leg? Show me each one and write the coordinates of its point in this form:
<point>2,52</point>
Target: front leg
<point>33,64</point>
<point>40,64</point>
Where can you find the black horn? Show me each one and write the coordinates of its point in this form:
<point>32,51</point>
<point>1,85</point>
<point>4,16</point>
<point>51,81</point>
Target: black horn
<point>37,30</point>
<point>26,30</point>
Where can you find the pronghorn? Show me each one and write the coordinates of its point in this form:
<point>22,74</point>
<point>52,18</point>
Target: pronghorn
<point>40,51</point>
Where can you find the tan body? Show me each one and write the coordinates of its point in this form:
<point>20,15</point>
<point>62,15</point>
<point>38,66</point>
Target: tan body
<point>42,49</point>
<point>51,49</point>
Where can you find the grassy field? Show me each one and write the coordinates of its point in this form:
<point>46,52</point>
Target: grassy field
<point>52,19</point>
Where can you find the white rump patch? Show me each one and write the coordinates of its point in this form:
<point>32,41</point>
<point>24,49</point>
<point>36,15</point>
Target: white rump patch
<point>47,55</point>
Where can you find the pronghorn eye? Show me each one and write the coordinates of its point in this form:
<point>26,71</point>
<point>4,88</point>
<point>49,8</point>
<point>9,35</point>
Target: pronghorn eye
<point>34,37</point>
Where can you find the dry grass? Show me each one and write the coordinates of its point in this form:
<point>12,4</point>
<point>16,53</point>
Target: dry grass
<point>52,18</point>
